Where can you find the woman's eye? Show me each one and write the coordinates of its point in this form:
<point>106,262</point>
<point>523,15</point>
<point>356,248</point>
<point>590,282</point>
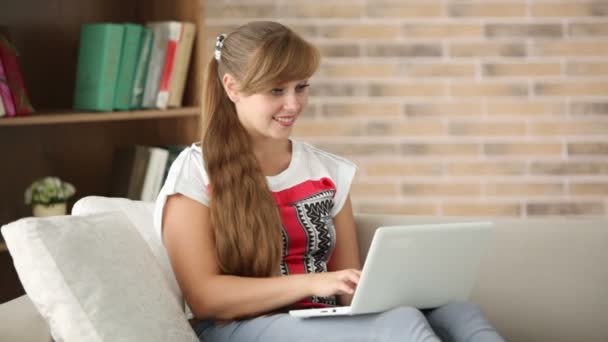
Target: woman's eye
<point>302,87</point>
<point>277,91</point>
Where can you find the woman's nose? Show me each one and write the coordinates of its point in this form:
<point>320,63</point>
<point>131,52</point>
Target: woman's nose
<point>293,103</point>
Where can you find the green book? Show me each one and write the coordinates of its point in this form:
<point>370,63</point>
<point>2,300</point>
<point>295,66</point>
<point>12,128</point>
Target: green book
<point>139,83</point>
<point>127,66</point>
<point>98,62</point>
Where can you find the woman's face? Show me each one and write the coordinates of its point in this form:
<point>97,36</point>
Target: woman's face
<point>272,114</point>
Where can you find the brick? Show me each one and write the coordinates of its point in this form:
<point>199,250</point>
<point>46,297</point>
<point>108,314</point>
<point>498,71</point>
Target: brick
<point>414,89</point>
<point>403,50</point>
<point>396,208</point>
<point>589,108</point>
<point>493,129</point>
<point>523,31</point>
<point>361,109</point>
<point>483,89</point>
<point>569,168</point>
<point>570,49</point>
<point>486,168</point>
<point>588,149</point>
<point>490,49</point>
<point>374,189</point>
<point>525,108</point>
<point>335,89</point>
<point>360,31</point>
<point>589,189</point>
<point>487,9</point>
<point>360,70</point>
<point>571,88</point>
<point>588,29</point>
<point>481,209</point>
<point>404,129</point>
<point>428,9</point>
<point>521,69</point>
<point>442,31</point>
<point>437,70</point>
<point>443,109</point>
<point>326,128</point>
<point>587,69</point>
<point>241,11</point>
<point>569,128</point>
<point>440,149</point>
<point>565,208</point>
<point>523,149</point>
<point>338,50</point>
<point>569,10</point>
<point>321,10</point>
<point>441,189</point>
<point>360,149</point>
<point>524,190</point>
<point>401,169</point>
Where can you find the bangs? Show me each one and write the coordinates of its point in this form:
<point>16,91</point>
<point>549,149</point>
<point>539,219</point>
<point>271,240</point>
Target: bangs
<point>282,58</point>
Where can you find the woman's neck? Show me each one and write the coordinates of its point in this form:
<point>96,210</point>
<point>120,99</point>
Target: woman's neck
<point>273,156</point>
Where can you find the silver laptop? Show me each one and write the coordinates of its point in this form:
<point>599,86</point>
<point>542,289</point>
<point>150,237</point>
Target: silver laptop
<point>424,266</point>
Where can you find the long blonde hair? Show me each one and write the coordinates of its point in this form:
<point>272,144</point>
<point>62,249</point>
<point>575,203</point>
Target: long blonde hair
<point>244,215</point>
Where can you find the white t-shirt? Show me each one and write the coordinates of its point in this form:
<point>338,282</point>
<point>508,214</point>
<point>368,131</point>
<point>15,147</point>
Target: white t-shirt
<point>310,192</point>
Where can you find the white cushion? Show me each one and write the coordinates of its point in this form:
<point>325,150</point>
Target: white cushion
<point>93,278</point>
<point>141,215</point>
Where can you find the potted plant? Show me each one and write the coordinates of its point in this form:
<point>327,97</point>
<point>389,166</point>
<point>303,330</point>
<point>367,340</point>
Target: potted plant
<point>48,196</point>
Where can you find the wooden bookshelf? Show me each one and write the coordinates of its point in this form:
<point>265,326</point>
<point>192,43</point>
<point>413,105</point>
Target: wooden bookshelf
<point>3,247</point>
<point>62,117</point>
<point>75,146</point>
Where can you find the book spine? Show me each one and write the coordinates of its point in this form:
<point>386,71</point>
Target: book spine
<point>142,67</point>
<point>97,71</point>
<point>8,55</point>
<point>127,66</point>
<point>175,33</point>
<point>6,97</point>
<point>157,60</point>
<point>184,52</point>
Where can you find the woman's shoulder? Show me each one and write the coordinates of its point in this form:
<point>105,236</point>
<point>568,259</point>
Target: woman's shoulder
<point>323,156</point>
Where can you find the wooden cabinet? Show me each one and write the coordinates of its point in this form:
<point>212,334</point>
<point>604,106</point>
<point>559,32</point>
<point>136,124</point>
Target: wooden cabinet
<point>78,147</point>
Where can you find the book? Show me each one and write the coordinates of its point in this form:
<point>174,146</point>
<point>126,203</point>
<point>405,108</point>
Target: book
<point>127,66</point>
<point>139,82</point>
<point>182,62</point>
<point>160,69</point>
<point>129,165</point>
<point>98,62</point>
<point>154,173</point>
<point>14,77</point>
<point>7,107</point>
<point>174,151</point>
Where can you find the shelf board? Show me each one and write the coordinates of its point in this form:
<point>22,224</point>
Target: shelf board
<point>51,118</point>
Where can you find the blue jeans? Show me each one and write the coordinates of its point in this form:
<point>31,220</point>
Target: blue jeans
<point>458,321</point>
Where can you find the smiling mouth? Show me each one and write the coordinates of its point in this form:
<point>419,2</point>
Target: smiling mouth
<point>284,120</point>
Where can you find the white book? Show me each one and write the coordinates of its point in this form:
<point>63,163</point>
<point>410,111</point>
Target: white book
<point>154,173</point>
<point>160,30</point>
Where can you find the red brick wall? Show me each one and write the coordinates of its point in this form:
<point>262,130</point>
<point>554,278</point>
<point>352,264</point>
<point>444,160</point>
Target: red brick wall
<point>455,107</point>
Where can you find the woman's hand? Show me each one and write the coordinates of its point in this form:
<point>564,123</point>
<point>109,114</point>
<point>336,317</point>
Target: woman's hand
<point>327,284</point>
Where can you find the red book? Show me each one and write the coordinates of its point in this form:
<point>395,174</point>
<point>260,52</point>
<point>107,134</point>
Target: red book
<point>175,32</point>
<point>5,93</point>
<point>8,55</point>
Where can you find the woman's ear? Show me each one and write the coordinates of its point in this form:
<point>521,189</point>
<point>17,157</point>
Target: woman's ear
<point>231,86</point>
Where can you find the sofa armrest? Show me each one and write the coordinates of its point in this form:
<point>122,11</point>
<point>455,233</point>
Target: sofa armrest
<point>20,321</point>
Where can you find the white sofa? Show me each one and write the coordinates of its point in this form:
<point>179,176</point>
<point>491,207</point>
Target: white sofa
<point>540,280</point>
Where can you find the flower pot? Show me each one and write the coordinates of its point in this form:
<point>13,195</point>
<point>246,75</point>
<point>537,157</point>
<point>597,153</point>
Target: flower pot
<point>41,210</point>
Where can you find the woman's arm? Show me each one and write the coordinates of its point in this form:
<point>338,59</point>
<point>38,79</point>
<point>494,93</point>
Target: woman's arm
<point>346,253</point>
<point>190,244</point>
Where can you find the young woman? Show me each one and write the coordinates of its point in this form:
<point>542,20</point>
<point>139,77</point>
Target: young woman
<point>256,223</point>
